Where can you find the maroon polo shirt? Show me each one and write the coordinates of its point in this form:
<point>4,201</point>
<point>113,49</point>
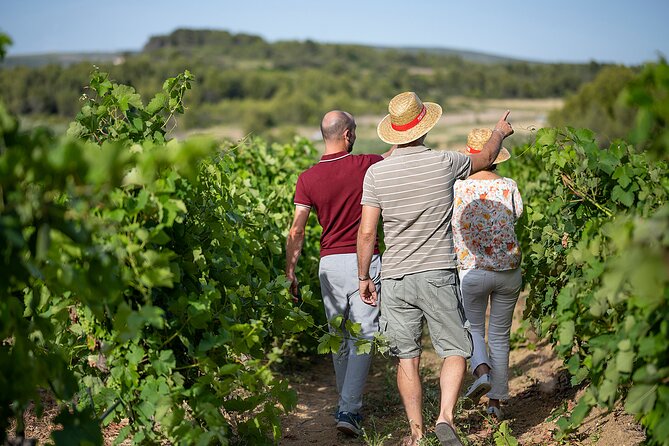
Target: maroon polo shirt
<point>333,188</point>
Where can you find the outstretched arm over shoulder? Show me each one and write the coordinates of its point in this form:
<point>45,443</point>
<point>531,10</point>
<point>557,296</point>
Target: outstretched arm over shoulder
<point>294,244</point>
<point>486,157</point>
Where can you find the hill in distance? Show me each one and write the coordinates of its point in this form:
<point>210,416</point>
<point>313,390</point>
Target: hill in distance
<point>212,38</point>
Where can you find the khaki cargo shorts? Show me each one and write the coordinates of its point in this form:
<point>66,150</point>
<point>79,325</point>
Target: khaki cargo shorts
<point>434,295</point>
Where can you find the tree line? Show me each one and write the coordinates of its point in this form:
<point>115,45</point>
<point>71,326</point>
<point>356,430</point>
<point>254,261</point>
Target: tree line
<point>245,80</point>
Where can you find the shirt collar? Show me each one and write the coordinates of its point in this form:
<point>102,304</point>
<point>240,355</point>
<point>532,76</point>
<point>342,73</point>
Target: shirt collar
<point>335,156</point>
<point>409,150</point>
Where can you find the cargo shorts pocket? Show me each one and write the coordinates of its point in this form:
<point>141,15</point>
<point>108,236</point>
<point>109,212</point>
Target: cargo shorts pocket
<point>443,291</point>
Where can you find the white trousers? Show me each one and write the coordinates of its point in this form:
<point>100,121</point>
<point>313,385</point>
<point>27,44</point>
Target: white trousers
<point>338,274</point>
<point>501,289</point>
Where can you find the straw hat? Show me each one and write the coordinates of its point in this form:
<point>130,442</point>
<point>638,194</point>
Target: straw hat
<point>409,119</point>
<point>475,141</point>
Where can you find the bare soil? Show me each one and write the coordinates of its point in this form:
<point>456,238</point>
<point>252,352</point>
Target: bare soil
<point>539,387</point>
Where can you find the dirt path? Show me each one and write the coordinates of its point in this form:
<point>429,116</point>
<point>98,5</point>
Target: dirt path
<point>539,389</point>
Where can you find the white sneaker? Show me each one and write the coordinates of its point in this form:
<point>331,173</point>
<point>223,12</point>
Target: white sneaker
<point>479,388</point>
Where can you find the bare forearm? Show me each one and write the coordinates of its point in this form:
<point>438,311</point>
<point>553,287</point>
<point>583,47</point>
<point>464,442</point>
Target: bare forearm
<point>494,145</point>
<point>365,250</point>
<point>487,156</point>
<point>367,239</point>
<point>293,249</point>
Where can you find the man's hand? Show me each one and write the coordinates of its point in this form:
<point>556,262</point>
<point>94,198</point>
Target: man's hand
<point>503,126</point>
<point>294,285</point>
<point>368,292</point>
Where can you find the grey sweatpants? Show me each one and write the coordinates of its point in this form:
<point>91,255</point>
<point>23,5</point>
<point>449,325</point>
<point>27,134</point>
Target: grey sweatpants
<point>338,276</point>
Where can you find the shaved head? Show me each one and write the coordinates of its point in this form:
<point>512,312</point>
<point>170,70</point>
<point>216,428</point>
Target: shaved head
<point>334,124</point>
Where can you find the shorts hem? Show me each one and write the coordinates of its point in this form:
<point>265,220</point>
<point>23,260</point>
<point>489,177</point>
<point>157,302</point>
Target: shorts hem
<point>462,353</point>
<point>408,355</point>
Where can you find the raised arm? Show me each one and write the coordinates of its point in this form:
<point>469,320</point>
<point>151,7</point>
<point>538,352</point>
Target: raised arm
<point>294,245</point>
<point>486,157</point>
<point>365,250</point>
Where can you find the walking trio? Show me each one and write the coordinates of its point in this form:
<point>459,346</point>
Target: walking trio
<point>450,252</point>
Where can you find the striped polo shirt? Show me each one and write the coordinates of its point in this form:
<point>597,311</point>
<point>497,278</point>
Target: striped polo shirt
<point>414,189</point>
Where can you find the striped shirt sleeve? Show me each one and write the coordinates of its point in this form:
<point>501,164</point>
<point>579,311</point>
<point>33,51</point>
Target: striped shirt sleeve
<point>369,197</point>
<point>462,164</point>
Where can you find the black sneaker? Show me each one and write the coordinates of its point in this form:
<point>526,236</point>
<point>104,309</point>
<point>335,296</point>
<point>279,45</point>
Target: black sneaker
<point>349,423</point>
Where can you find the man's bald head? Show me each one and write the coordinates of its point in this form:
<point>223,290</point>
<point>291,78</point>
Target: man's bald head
<point>334,124</point>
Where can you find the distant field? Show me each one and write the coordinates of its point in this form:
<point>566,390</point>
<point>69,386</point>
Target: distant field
<point>460,115</point>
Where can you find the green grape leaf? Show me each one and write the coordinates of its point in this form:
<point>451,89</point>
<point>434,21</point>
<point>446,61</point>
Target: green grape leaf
<point>641,398</point>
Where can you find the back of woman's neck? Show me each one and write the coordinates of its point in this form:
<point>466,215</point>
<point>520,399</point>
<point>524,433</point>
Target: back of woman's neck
<point>484,175</point>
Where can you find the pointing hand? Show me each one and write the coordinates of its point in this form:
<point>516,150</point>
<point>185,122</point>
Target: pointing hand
<point>503,126</point>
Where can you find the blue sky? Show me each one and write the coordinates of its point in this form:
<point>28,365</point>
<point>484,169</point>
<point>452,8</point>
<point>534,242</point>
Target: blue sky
<point>564,31</point>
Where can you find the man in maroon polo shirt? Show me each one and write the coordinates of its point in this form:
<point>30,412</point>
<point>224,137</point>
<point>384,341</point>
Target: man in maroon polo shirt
<point>333,188</point>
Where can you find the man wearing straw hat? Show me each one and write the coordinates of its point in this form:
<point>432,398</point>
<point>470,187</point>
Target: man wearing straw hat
<point>333,187</point>
<point>413,190</point>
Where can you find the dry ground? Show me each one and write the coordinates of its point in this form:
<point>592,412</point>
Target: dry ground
<point>539,391</point>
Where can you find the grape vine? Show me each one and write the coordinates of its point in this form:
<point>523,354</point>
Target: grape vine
<point>596,244</point>
<point>144,277</point>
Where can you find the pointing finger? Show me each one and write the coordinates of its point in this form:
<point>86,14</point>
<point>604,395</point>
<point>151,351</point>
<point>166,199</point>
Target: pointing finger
<point>505,115</point>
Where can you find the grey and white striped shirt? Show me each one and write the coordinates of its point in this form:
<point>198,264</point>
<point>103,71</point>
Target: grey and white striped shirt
<point>414,189</point>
